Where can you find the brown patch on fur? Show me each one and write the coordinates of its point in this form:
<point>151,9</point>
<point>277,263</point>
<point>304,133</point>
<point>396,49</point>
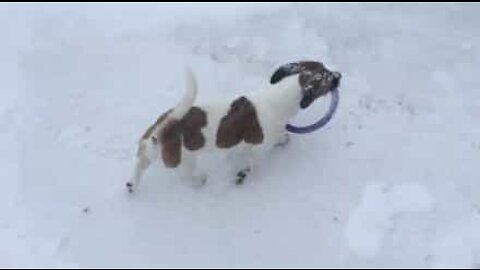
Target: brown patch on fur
<point>192,123</point>
<point>241,123</point>
<point>171,143</point>
<point>188,129</point>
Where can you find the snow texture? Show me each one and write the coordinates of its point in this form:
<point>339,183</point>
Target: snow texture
<point>392,181</point>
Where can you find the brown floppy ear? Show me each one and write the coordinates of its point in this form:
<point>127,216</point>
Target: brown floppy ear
<point>170,138</point>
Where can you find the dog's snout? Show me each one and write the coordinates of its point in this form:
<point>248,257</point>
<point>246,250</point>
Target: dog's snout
<point>336,78</point>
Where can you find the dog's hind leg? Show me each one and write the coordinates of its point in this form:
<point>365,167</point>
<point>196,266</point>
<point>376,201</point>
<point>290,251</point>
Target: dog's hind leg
<point>187,167</point>
<point>145,156</point>
<point>241,175</point>
<point>141,165</point>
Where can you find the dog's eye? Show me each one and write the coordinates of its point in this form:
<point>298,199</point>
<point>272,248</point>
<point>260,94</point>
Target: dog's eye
<point>154,139</point>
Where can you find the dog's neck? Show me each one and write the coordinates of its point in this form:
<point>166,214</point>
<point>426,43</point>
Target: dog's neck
<point>283,98</point>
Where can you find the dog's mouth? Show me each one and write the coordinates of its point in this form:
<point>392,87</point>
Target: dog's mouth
<point>322,121</point>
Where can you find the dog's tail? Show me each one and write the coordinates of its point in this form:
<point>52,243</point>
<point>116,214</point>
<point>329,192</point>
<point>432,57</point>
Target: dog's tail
<point>188,98</point>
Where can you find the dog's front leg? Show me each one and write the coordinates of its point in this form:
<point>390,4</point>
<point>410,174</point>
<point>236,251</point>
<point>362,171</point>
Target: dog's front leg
<point>283,140</point>
<point>255,156</point>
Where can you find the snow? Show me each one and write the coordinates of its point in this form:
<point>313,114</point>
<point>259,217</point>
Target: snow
<point>368,224</point>
<point>392,181</point>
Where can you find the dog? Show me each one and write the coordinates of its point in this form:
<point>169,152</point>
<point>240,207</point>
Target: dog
<point>254,122</point>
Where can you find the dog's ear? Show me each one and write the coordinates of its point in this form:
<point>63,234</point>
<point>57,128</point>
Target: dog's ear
<point>284,71</point>
<point>294,68</point>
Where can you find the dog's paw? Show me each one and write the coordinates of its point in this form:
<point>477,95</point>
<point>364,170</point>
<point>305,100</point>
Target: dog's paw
<point>199,181</point>
<point>130,187</point>
<point>241,175</point>
<point>283,141</point>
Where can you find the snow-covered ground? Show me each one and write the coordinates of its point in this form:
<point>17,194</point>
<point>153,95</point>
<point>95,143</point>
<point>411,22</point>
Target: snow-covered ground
<point>392,181</point>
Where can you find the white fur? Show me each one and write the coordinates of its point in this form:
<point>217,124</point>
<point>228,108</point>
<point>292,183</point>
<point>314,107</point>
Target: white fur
<point>275,105</point>
<point>188,99</point>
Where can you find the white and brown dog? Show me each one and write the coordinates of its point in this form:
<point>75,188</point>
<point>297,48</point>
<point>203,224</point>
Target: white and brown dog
<point>254,122</point>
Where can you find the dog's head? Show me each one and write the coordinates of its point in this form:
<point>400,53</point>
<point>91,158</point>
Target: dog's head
<point>315,79</point>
